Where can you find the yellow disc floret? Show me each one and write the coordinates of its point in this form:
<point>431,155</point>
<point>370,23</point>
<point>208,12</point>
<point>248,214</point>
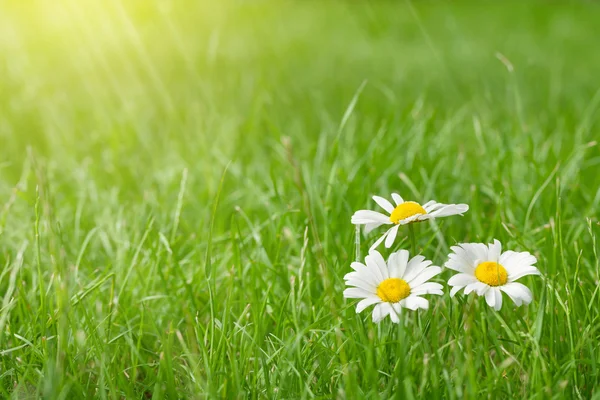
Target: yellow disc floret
<point>491,273</point>
<point>393,290</point>
<point>405,210</point>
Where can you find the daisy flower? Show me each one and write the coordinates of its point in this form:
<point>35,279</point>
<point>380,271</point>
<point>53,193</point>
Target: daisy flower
<point>487,271</point>
<point>393,285</point>
<point>405,212</point>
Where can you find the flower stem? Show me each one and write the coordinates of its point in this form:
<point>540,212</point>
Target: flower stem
<point>413,239</point>
<point>357,242</point>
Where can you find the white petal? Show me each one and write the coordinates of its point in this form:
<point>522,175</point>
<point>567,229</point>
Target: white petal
<point>365,275</point>
<point>498,296</point>
<point>367,217</point>
<point>513,276</point>
<point>414,302</point>
<point>427,288</point>
<point>494,251</point>
<point>363,272</point>
<point>462,280</point>
<point>460,260</point>
<point>409,219</point>
<point>510,292</point>
<point>477,287</point>
<point>424,276</point>
<point>383,203</point>
<point>377,313</point>
<point>415,266</point>
<point>370,226</point>
<point>357,266</point>
<point>375,259</point>
<point>397,263</point>
<point>518,291</point>
<point>380,311</point>
<point>389,240</point>
<point>431,206</point>
<point>356,293</point>
<point>366,303</point>
<point>490,297</point>
<point>455,290</point>
<point>450,209</point>
<point>360,283</point>
<point>378,241</point>
<point>511,259</point>
<point>397,199</point>
<point>402,262</point>
<point>477,251</point>
<point>394,315</point>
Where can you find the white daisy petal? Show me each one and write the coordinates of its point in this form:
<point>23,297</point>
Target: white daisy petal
<point>494,250</point>
<point>389,240</point>
<point>477,251</point>
<point>378,313</point>
<point>376,259</point>
<point>415,266</point>
<point>466,254</point>
<point>517,300</point>
<point>378,241</point>
<point>450,209</point>
<point>359,270</point>
<point>397,199</point>
<point>462,280</point>
<point>371,226</point>
<point>490,297</point>
<point>427,288</point>
<point>415,302</point>
<point>394,315</point>
<point>381,311</point>
<point>356,293</point>
<point>513,276</point>
<point>397,263</point>
<point>383,203</point>
<point>424,276</point>
<point>513,259</point>
<point>432,206</point>
<point>367,217</point>
<point>498,296</point>
<point>477,287</point>
<point>455,290</point>
<point>366,303</point>
<point>516,290</point>
<point>402,262</point>
<point>357,266</point>
<point>360,283</point>
<point>365,275</point>
<point>373,268</point>
<point>460,260</point>
<point>424,217</point>
<point>409,219</point>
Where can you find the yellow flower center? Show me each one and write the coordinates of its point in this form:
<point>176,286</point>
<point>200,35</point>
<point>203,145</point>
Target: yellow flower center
<point>491,273</point>
<point>405,210</point>
<point>393,290</point>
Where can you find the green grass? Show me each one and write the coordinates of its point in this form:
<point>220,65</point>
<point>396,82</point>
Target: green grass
<point>177,181</point>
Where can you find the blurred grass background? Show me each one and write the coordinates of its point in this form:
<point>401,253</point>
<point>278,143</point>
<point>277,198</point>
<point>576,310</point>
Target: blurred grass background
<point>127,272</point>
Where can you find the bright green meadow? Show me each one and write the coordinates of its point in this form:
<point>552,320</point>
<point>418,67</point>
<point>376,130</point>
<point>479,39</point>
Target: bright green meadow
<point>177,180</point>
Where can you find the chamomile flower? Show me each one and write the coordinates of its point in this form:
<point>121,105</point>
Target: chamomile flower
<point>488,272</point>
<point>404,212</point>
<point>391,286</point>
